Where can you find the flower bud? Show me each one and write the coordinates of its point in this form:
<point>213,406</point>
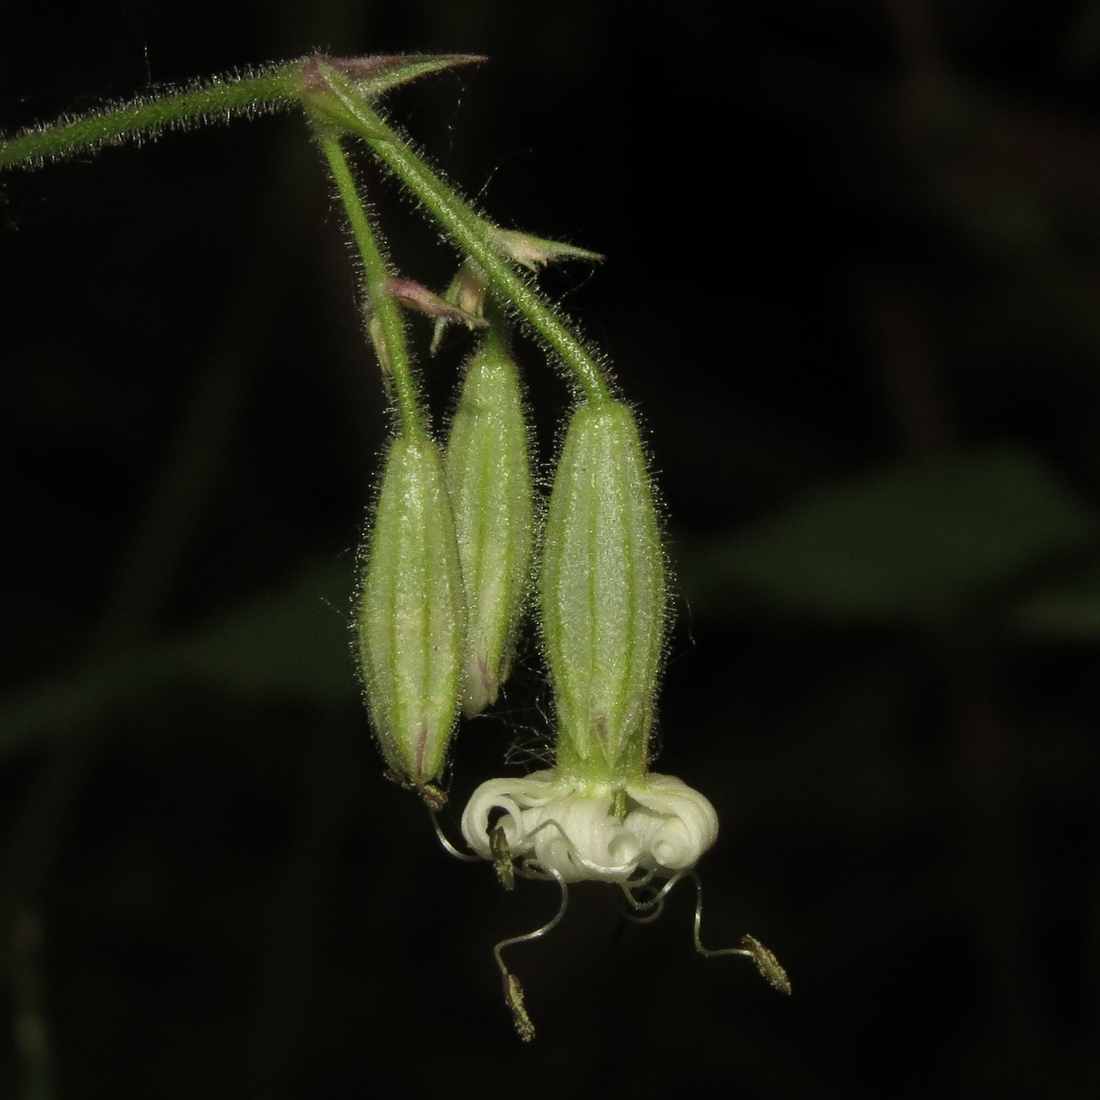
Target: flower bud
<point>604,601</point>
<point>412,616</point>
<point>489,481</point>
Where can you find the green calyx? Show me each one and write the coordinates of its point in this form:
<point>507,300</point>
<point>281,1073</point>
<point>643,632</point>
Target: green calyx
<point>411,621</point>
<point>489,482</point>
<point>603,596</point>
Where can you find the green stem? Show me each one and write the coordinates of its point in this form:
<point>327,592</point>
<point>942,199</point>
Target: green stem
<point>470,231</point>
<point>266,91</point>
<point>497,340</point>
<point>386,328</point>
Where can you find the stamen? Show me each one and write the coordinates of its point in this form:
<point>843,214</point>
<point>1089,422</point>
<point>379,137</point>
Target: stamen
<point>752,948</point>
<point>513,991</point>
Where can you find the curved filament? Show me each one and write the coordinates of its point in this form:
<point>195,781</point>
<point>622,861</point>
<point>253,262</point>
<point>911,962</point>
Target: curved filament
<point>446,845</point>
<point>649,910</point>
<point>513,990</point>
<point>752,948</point>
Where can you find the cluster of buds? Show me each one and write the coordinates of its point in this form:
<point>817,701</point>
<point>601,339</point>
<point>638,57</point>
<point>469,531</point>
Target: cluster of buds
<point>445,572</point>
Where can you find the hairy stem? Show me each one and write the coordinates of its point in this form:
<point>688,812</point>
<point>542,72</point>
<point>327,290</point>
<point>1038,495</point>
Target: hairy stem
<point>268,90</point>
<point>469,230</point>
<point>385,326</point>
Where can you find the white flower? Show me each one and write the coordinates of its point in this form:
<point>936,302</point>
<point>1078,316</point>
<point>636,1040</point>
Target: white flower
<point>569,827</point>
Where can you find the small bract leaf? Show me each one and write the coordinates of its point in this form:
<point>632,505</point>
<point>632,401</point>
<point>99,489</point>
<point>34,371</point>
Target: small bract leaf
<point>466,293</point>
<point>374,75</point>
<point>502,858</point>
<point>337,91</point>
<point>370,77</point>
<point>535,252</point>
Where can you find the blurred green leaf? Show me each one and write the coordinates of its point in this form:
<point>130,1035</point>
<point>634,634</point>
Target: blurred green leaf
<point>1081,45</point>
<point>296,642</point>
<point>916,544</point>
<point>291,644</point>
<point>1067,608</point>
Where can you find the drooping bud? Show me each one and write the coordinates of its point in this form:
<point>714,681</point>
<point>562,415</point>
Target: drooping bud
<point>414,295</point>
<point>412,616</point>
<point>604,598</point>
<point>489,480</point>
<point>466,293</point>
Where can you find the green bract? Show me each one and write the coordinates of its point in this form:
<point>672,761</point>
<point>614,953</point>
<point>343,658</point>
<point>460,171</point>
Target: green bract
<point>489,481</point>
<point>412,616</point>
<point>604,600</point>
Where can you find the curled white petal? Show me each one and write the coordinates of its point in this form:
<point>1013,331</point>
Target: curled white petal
<point>674,822</point>
<point>568,826</point>
<point>552,819</point>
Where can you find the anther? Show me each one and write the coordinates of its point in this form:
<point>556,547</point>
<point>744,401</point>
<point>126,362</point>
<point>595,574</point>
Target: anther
<point>767,964</point>
<point>502,858</point>
<point>513,998</point>
<point>435,798</point>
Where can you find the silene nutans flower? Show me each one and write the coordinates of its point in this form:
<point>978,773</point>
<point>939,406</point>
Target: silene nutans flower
<point>411,616</point>
<point>599,813</point>
<point>489,483</point>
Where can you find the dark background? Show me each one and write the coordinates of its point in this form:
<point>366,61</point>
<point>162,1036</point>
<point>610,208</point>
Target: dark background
<point>853,285</point>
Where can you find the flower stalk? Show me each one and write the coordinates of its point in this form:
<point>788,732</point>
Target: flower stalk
<point>254,92</point>
<point>259,92</point>
<point>475,236</point>
<point>385,325</point>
